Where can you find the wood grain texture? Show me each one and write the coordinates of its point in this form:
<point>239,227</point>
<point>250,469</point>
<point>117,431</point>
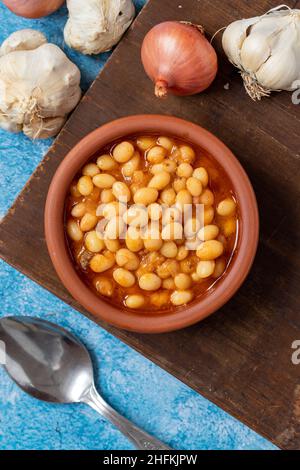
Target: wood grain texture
<point>240,358</point>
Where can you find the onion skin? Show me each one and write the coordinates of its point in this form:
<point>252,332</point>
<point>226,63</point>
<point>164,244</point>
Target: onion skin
<point>33,8</point>
<point>178,59</point>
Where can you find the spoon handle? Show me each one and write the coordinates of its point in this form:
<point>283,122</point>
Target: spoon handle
<point>139,438</point>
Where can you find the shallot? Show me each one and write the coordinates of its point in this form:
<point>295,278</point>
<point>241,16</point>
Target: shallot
<point>179,59</point>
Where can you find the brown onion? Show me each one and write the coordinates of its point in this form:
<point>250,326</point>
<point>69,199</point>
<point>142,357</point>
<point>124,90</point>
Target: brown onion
<point>179,59</point>
<point>33,8</point>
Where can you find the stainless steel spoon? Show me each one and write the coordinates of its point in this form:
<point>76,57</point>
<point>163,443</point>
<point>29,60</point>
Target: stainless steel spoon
<point>49,363</point>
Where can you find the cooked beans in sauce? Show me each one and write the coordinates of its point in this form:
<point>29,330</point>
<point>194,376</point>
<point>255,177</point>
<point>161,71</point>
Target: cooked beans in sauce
<point>152,223</point>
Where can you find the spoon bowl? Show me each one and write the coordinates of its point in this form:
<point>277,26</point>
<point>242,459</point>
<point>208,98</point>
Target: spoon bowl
<point>45,360</point>
<point>51,364</point>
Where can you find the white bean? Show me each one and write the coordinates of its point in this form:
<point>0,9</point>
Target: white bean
<point>226,207</point>
<point>160,181</point>
<point>136,216</point>
<point>182,253</point>
<point>93,243</point>
<point>165,142</point>
<point>121,191</point>
<point>187,154</point>
<point>229,226</point>
<point>171,214</point>
<point>181,297</point>
<point>168,196</point>
<point>169,284</point>
<point>152,238</point>
<point>109,210</point>
<point>172,231</point>
<point>145,142</point>
<point>135,301</point>
<point>131,166</point>
<point>103,181</point>
<point>182,281</point>
<point>209,232</point>
<point>149,282</point>
<point>114,228</point>
<point>106,163</point>
<point>205,269</point>
<point>107,196</point>
<point>104,286</point>
<point>202,175</point>
<point>220,267</point>
<point>123,152</point>
<point>184,170</point>
<point>184,200</point>
<point>85,185</point>
<point>133,240</point>
<point>124,277</point>
<point>156,154</point>
<point>159,299</point>
<point>91,169</point>
<point>126,259</point>
<point>179,184</point>
<point>194,186</point>
<point>154,211</point>
<point>168,268</point>
<point>191,227</point>
<point>166,165</point>
<point>145,196</point>
<point>169,250</point>
<point>74,231</point>
<point>79,210</point>
<point>208,215</point>
<point>207,198</point>
<point>112,245</point>
<point>210,250</point>
<point>102,262</point>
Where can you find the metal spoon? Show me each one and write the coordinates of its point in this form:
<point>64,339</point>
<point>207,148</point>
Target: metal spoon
<point>49,363</point>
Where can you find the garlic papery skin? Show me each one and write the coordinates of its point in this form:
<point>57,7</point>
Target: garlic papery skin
<point>266,50</point>
<point>39,86</point>
<point>95,26</point>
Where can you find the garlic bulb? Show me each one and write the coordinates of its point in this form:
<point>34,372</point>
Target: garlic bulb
<point>266,49</point>
<point>39,85</point>
<point>97,25</point>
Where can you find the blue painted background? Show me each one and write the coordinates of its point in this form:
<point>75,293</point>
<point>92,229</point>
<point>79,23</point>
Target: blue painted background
<point>137,388</point>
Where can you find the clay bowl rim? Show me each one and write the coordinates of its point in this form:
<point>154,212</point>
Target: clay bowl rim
<point>59,253</point>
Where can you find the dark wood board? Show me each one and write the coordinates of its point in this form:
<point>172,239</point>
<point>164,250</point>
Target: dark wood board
<point>239,358</point>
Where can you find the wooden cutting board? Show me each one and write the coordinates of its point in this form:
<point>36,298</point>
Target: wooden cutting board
<point>239,358</point>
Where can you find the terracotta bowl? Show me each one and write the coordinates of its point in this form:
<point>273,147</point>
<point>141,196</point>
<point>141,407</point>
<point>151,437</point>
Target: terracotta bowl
<point>179,317</point>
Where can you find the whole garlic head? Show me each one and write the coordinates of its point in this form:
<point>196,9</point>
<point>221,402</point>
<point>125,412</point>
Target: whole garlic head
<point>266,49</point>
<point>95,26</point>
<point>39,85</point>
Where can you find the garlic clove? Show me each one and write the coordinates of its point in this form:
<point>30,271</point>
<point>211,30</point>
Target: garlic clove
<point>234,37</point>
<point>279,71</point>
<point>23,40</point>
<point>254,52</point>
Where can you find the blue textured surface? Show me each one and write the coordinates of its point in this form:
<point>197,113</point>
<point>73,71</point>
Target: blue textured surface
<point>137,388</point>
